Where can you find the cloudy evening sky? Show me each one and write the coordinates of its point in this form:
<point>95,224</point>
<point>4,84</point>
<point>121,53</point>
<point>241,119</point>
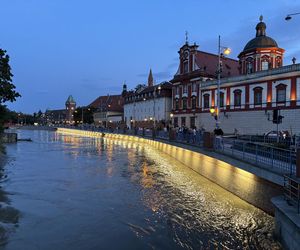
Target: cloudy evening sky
<point>89,48</point>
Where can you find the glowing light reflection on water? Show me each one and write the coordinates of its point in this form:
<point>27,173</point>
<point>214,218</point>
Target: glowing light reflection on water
<point>85,193</point>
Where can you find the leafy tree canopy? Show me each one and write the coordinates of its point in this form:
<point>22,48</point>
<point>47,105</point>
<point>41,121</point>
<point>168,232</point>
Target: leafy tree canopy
<point>7,88</point>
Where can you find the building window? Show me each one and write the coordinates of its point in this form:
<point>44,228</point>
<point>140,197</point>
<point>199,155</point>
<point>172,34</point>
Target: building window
<point>185,67</point>
<point>176,104</point>
<point>177,90</point>
<point>281,93</point>
<point>221,99</point>
<point>175,122</point>
<point>184,89</point>
<point>249,68</point>
<point>192,121</point>
<point>193,102</point>
<point>206,101</point>
<point>258,95</point>
<point>249,65</point>
<point>278,62</point>
<point>264,65</point>
<point>184,103</point>
<point>182,121</point>
<point>237,98</point>
<point>194,86</point>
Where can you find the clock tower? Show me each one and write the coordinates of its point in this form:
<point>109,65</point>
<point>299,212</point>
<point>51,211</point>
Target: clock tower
<point>70,108</point>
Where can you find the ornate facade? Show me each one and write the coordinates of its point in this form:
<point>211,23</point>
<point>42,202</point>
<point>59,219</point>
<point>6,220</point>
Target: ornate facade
<point>250,89</point>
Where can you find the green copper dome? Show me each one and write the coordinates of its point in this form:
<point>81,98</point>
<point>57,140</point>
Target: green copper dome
<point>70,99</point>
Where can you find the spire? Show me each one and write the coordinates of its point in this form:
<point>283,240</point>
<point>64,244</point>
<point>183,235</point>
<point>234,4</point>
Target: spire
<point>70,99</point>
<point>150,79</point>
<point>186,37</point>
<point>261,27</point>
<point>124,89</point>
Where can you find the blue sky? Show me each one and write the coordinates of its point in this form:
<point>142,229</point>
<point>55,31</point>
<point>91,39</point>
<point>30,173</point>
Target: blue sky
<point>89,48</point>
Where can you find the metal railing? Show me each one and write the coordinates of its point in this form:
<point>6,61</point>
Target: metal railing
<point>271,158</point>
<point>268,157</point>
<point>287,141</point>
<point>292,191</point>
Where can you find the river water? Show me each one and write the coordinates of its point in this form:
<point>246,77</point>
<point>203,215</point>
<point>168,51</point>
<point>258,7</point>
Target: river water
<point>71,192</point>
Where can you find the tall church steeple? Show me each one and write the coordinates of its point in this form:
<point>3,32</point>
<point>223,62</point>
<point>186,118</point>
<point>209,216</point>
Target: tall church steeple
<point>150,79</point>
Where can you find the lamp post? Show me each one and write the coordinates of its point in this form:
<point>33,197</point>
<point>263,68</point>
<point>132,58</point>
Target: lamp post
<point>171,118</point>
<point>221,51</point>
<point>154,100</point>
<point>289,16</point>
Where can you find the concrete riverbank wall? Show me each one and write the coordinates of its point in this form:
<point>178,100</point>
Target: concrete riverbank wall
<point>246,185</point>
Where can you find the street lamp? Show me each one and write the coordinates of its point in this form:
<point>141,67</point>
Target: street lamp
<point>171,118</point>
<point>221,51</point>
<point>288,17</point>
<point>154,102</point>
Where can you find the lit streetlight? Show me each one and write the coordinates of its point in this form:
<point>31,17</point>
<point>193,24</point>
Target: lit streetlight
<point>289,16</point>
<point>221,51</point>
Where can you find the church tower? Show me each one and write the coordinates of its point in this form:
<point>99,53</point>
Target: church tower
<point>260,53</point>
<point>150,79</point>
<point>70,108</point>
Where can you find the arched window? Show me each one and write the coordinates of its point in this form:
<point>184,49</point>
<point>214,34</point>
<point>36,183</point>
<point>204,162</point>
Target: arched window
<point>176,105</point>
<point>206,101</point>
<point>258,95</point>
<point>194,102</point>
<point>281,93</point>
<point>184,103</point>
<point>221,99</point>
<point>265,61</point>
<point>249,65</point>
<point>237,98</point>
<point>185,67</point>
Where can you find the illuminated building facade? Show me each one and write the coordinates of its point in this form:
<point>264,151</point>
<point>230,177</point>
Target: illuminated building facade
<point>148,105</point>
<point>251,88</point>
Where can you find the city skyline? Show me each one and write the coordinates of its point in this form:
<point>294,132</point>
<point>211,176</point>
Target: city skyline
<point>90,50</point>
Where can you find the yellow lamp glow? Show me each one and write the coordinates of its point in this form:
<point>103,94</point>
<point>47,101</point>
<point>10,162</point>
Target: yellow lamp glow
<point>212,110</point>
<point>227,51</point>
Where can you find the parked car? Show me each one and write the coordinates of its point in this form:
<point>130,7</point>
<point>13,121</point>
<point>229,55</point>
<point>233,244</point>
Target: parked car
<point>281,133</point>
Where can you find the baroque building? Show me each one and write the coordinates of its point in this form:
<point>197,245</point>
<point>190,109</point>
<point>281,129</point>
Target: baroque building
<point>250,89</point>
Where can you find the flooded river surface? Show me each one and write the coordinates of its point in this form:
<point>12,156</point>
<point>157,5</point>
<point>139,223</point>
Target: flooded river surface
<point>72,192</point>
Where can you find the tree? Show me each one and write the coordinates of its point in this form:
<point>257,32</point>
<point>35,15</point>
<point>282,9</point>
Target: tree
<point>7,88</point>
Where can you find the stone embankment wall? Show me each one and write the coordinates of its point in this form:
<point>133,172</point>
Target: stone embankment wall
<point>245,185</point>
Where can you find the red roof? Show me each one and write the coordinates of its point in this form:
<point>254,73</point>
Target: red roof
<point>208,63</point>
<point>108,103</point>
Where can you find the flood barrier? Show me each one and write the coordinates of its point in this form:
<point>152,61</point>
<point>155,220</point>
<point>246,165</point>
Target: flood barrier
<point>247,186</point>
